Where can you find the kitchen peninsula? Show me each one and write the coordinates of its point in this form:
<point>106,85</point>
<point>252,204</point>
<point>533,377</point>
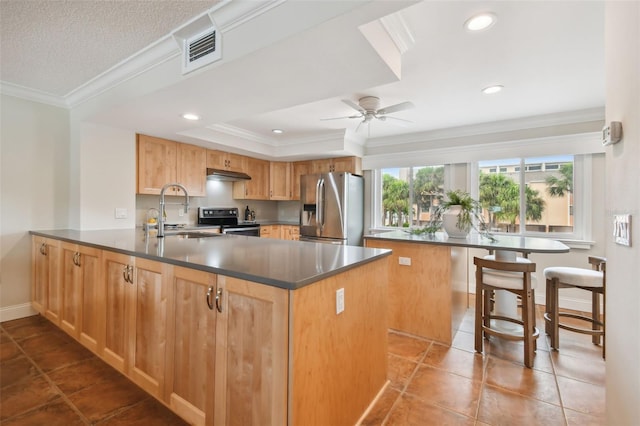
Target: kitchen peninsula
<point>427,295</point>
<point>224,326</point>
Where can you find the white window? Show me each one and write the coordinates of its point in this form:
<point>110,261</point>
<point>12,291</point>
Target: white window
<point>549,188</point>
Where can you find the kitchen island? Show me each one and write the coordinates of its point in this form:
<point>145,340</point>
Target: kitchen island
<point>428,289</point>
<point>224,329</point>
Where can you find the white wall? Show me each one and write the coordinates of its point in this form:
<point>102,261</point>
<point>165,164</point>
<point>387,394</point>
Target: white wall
<point>622,47</point>
<point>34,191</point>
<point>107,176</point>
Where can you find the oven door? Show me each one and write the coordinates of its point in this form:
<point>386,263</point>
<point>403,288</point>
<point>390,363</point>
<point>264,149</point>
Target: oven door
<point>251,231</point>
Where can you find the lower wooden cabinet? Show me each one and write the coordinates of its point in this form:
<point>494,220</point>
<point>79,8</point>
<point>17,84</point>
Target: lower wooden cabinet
<point>136,314</point>
<point>46,294</point>
<point>214,349</point>
<point>191,345</point>
<point>80,268</point>
<point>251,364</point>
<point>290,232</point>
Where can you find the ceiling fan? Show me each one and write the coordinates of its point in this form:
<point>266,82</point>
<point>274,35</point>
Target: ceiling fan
<point>368,108</point>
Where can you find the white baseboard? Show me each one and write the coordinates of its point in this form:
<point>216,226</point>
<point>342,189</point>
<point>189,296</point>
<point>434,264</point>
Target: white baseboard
<point>9,313</point>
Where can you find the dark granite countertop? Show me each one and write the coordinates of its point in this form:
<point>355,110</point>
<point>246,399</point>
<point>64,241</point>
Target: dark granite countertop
<point>502,242</point>
<point>280,263</point>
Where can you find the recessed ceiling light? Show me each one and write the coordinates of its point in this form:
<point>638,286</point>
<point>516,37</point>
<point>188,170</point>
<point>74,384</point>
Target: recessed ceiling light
<point>277,131</point>
<point>480,22</point>
<point>189,116</point>
<point>492,89</point>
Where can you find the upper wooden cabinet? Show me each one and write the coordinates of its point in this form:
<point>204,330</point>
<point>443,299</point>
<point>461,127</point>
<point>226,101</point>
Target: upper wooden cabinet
<point>299,168</point>
<point>258,187</point>
<point>161,161</point>
<point>226,161</point>
<point>341,164</point>
<point>280,181</point>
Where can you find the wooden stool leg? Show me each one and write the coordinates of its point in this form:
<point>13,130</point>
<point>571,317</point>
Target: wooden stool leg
<point>555,330</point>
<point>604,321</point>
<point>528,334</point>
<point>548,307</point>
<point>479,314</point>
<point>533,319</point>
<point>595,315</point>
<point>486,313</point>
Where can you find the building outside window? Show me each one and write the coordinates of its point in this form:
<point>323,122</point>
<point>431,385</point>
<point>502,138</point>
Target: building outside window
<point>546,188</point>
<point>409,195</point>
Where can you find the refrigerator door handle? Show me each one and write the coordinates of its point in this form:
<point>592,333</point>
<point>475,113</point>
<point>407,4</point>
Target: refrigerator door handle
<point>320,204</point>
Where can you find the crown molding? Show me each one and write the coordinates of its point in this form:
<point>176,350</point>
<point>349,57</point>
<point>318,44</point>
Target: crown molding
<point>399,31</point>
<point>22,92</point>
<point>547,120</point>
<point>242,134</point>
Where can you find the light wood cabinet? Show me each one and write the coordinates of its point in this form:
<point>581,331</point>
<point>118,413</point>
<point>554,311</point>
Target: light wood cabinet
<point>161,161</point>
<point>136,312</point>
<point>80,288</point>
<point>251,362</point>
<point>340,164</point>
<point>280,180</point>
<point>258,187</point>
<point>225,161</point>
<point>191,345</point>
<point>298,168</point>
<point>270,231</point>
<point>46,297</point>
<point>290,232</point>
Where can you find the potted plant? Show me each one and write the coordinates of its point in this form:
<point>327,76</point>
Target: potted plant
<point>458,213</point>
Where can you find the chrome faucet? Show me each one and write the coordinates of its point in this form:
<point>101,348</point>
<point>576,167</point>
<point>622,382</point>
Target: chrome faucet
<point>162,204</point>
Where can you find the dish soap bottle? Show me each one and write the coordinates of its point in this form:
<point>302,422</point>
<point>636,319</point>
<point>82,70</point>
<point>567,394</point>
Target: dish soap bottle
<point>247,214</point>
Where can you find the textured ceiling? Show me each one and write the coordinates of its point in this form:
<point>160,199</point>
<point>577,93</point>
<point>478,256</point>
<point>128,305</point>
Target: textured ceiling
<point>92,36</point>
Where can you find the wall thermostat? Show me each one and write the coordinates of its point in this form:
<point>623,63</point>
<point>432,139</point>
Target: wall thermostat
<point>612,133</point>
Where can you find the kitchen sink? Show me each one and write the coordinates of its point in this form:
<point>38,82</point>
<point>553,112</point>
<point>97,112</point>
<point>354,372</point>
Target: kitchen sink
<point>191,234</point>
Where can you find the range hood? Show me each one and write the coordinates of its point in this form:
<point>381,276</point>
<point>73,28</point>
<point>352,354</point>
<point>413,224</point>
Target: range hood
<point>226,175</point>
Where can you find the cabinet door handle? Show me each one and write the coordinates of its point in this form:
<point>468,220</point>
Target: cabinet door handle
<point>76,258</point>
<point>209,301</point>
<point>219,300</point>
<point>43,249</point>
<point>130,273</point>
<point>125,273</point>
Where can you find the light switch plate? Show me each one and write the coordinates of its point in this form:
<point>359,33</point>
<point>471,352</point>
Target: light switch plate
<point>121,213</point>
<point>406,261</point>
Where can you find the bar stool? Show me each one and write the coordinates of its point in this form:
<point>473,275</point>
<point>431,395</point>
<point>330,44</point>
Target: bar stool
<point>514,277</point>
<point>593,280</point>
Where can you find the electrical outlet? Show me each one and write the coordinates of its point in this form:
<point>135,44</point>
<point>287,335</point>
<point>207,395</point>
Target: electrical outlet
<point>406,261</point>
<point>339,301</point>
<point>180,212</point>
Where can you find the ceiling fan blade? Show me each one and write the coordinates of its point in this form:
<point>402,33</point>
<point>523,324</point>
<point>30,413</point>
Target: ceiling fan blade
<point>340,118</point>
<point>354,106</point>
<point>395,108</point>
<point>397,119</point>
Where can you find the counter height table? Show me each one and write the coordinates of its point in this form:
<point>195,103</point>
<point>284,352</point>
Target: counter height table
<point>427,294</point>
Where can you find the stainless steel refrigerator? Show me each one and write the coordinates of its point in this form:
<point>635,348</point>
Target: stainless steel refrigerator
<point>332,208</point>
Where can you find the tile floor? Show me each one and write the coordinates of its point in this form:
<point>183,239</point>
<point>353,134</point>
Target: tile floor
<point>432,384</point>
<point>48,378</point>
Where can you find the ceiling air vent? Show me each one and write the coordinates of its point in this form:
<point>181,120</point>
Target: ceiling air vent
<point>200,44</point>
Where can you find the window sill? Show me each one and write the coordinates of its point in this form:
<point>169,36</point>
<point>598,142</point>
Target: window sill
<point>578,244</point>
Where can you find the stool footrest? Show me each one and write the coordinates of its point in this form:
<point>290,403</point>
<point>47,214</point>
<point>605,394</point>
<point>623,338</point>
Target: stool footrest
<point>509,336</point>
<point>578,329</point>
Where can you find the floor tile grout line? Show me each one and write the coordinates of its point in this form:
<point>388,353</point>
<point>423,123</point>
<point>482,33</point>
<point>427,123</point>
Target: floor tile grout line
<point>41,372</point>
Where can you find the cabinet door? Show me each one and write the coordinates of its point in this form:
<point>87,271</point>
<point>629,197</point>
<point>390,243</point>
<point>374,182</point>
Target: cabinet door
<point>71,287</point>
<point>216,159</point>
<point>191,345</point>
<point>280,180</point>
<point>92,301</point>
<point>321,166</point>
<point>156,163</point>
<point>118,275</point>
<point>39,274</point>
<point>146,331</point>
<point>192,168</point>
<point>236,163</point>
<point>299,168</point>
<point>270,231</point>
<point>258,187</point>
<point>53,305</point>
<point>347,164</point>
<point>251,354</point>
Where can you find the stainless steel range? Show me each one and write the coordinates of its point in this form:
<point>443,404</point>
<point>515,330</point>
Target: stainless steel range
<point>227,219</point>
